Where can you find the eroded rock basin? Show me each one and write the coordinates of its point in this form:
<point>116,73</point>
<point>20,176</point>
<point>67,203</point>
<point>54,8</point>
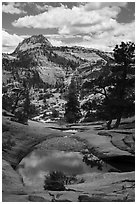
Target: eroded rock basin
<point>63,149</point>
<point>38,164</point>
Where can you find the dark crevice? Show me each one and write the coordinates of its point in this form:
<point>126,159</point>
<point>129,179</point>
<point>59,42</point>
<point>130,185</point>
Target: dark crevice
<point>122,163</point>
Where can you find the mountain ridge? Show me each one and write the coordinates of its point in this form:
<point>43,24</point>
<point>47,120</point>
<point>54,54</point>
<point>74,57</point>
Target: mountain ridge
<point>31,42</point>
<point>52,64</point>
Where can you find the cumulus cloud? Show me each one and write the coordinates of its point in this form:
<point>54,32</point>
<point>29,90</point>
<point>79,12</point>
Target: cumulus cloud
<point>98,5</point>
<point>107,40</point>
<point>103,39</point>
<point>96,22</point>
<point>10,41</point>
<point>62,17</point>
<point>12,8</point>
<point>54,18</point>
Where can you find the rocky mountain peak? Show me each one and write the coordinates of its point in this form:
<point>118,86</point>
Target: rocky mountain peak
<point>38,39</point>
<point>33,42</point>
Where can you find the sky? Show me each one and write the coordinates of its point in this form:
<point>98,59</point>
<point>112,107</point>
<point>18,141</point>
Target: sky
<point>99,25</point>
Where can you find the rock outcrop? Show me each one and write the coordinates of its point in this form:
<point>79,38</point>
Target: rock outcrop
<point>96,187</point>
<point>24,139</point>
<point>112,187</point>
<point>10,179</point>
<point>109,143</point>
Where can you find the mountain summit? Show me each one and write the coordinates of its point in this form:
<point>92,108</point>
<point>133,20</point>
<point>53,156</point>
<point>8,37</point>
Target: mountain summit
<point>52,65</point>
<point>35,41</point>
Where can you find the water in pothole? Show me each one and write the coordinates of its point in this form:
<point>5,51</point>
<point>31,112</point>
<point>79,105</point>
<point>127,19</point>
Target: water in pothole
<point>36,165</point>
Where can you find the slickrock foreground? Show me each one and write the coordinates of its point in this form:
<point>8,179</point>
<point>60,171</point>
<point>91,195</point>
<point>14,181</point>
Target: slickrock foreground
<point>114,146</point>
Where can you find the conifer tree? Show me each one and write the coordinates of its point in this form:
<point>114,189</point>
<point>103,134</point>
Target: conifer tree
<point>115,83</point>
<point>72,108</point>
<point>123,77</point>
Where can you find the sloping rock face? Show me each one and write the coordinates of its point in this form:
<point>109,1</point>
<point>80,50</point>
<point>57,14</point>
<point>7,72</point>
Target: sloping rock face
<point>112,187</point>
<point>109,143</point>
<point>113,146</point>
<point>97,187</point>
<point>22,139</point>
<point>48,64</point>
<point>10,179</point>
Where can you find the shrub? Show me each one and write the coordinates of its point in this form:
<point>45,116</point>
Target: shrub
<point>92,160</point>
<point>55,181</point>
<point>20,116</point>
<point>55,113</point>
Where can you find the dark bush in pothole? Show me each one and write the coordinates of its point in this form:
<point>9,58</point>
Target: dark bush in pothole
<point>55,181</point>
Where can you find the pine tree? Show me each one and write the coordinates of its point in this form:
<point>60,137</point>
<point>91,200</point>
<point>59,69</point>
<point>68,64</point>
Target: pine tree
<point>72,108</point>
<point>22,111</point>
<point>123,76</point>
<point>114,85</point>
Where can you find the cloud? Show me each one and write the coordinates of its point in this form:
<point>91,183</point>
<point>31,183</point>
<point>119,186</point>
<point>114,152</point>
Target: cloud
<point>42,7</point>
<point>95,22</point>
<point>62,17</point>
<point>63,40</point>
<point>46,18</point>
<point>56,42</point>
<point>103,39</point>
<point>10,41</point>
<point>78,20</point>
<point>106,25</point>
<point>12,8</point>
<point>107,40</point>
<point>99,5</point>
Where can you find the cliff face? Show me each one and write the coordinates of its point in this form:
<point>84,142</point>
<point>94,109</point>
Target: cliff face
<point>52,64</point>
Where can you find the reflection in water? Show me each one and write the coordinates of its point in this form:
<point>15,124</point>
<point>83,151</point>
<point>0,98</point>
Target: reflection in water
<point>34,167</point>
